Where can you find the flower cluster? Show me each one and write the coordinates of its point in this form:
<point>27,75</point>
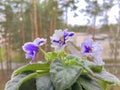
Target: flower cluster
<point>59,40</point>
<point>92,49</point>
<point>31,48</point>
<point>62,71</point>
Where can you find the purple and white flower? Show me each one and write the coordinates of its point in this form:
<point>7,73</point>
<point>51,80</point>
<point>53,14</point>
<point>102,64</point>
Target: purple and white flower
<point>94,49</point>
<point>60,38</point>
<point>31,48</point>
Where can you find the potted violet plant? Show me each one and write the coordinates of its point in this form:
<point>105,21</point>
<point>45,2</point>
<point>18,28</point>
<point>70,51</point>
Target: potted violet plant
<point>62,69</point>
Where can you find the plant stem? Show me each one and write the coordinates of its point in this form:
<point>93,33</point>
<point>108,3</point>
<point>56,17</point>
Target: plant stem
<point>42,51</point>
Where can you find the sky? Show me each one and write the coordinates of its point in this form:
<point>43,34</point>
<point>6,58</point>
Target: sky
<point>81,19</point>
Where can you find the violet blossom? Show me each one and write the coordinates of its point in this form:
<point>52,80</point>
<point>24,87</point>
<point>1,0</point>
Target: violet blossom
<point>60,39</point>
<point>31,48</point>
<point>94,49</point>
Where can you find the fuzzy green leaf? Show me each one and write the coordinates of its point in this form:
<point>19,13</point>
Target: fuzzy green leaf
<point>84,65</point>
<point>77,86</point>
<point>29,77</point>
<point>21,80</point>
<point>32,67</point>
<point>90,83</point>
<point>63,76</point>
<point>99,72</point>
<point>96,68</point>
<point>50,56</point>
<point>44,83</point>
<point>14,82</point>
<point>107,77</point>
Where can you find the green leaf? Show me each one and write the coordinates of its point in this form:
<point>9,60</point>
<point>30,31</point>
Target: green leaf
<point>14,82</point>
<point>71,59</point>
<point>99,72</point>
<point>85,65</point>
<point>23,81</point>
<point>107,77</point>
<point>89,66</point>
<point>96,68</point>
<point>32,67</point>
<point>30,85</point>
<point>61,53</point>
<point>69,88</point>
<point>29,77</point>
<point>77,86</point>
<point>50,56</point>
<point>63,76</point>
<point>90,83</point>
<point>103,84</point>
<point>44,83</point>
<point>93,66</point>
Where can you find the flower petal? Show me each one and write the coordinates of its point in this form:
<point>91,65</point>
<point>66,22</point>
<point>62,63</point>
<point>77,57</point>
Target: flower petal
<point>60,38</point>
<point>29,46</point>
<point>39,41</point>
<point>94,49</point>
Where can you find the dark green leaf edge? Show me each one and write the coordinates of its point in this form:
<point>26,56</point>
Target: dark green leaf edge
<point>31,67</point>
<point>44,83</point>
<point>90,83</point>
<point>31,76</point>
<point>104,77</point>
<point>102,74</point>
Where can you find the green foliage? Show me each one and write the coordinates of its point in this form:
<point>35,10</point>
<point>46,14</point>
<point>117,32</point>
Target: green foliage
<point>77,86</point>
<point>25,81</point>
<point>26,75</point>
<point>95,68</point>
<point>59,75</point>
<point>89,83</point>
<point>99,73</point>
<point>12,84</point>
<point>107,77</point>
<point>32,67</point>
<point>51,56</point>
<point>63,76</point>
<point>44,83</point>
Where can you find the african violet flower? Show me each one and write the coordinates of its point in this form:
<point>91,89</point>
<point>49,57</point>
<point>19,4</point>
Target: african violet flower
<point>91,48</point>
<point>31,48</point>
<point>60,38</point>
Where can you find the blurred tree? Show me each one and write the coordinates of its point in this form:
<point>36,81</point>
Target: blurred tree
<point>68,4</point>
<point>114,30</point>
<point>93,9</point>
<point>106,6</point>
<point>22,17</point>
<point>115,43</point>
<point>35,18</point>
<point>7,35</point>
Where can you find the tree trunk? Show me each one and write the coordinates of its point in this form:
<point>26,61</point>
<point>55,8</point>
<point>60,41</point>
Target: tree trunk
<point>94,27</point>
<point>117,35</point>
<point>35,18</point>
<point>32,25</point>
<point>22,26</point>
